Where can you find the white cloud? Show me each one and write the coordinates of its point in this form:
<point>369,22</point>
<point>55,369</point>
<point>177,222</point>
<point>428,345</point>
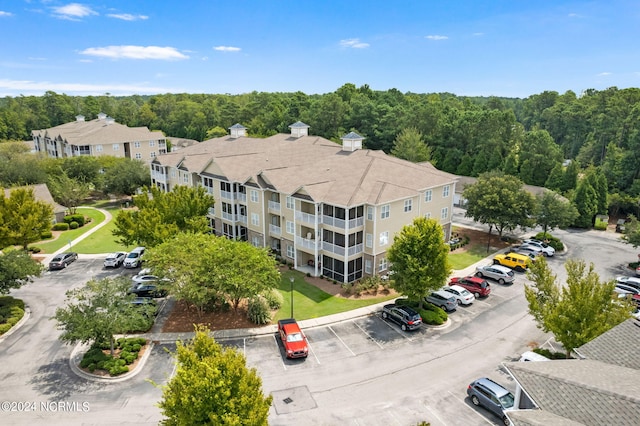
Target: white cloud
<point>135,52</point>
<point>127,16</point>
<point>603,74</point>
<point>574,15</point>
<point>354,43</point>
<point>227,48</point>
<point>73,11</point>
<point>436,37</point>
<point>26,86</point>
<point>476,35</point>
<point>3,13</point>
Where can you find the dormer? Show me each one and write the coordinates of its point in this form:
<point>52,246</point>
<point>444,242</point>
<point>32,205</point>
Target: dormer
<point>237,131</point>
<point>351,142</point>
<point>102,116</point>
<point>299,129</point>
<point>79,117</point>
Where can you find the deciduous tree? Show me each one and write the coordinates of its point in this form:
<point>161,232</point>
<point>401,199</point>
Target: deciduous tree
<point>632,232</point>
<point>25,218</point>
<point>578,311</point>
<point>213,386</point>
<point>67,191</point>
<point>126,176</point>
<point>17,268</point>
<point>419,259</point>
<point>99,310</point>
<point>500,201</point>
<point>553,211</point>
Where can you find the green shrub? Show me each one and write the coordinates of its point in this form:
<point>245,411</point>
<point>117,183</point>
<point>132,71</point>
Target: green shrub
<point>62,226</point>
<point>551,240</point>
<point>431,317</point>
<point>78,218</point>
<point>600,226</point>
<point>46,235</point>
<point>74,225</point>
<point>258,311</point>
<point>34,249</point>
<point>11,311</point>
<point>551,355</point>
<point>274,298</point>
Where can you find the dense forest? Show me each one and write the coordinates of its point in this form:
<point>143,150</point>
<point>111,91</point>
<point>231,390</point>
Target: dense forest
<point>529,138</point>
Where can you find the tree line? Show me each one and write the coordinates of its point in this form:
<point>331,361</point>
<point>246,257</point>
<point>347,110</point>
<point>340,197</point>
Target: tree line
<point>468,136</point>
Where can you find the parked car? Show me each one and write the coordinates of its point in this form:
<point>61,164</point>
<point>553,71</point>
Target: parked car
<point>114,260</point>
<point>147,290</point>
<point>293,339</point>
<point>62,260</point>
<point>621,226</point>
<point>144,278</point>
<point>443,299</point>
<point>519,262</point>
<point>492,396</point>
<point>407,318</point>
<point>462,295</point>
<point>638,271</point>
<point>629,281</point>
<point>476,286</point>
<point>527,250</point>
<point>500,273</point>
<point>546,249</point>
<point>134,258</point>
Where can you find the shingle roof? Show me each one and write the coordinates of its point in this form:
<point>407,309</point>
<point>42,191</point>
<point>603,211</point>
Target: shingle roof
<point>539,418</point>
<point>317,167</point>
<point>40,193</point>
<point>618,346</point>
<point>97,132</point>
<point>585,391</point>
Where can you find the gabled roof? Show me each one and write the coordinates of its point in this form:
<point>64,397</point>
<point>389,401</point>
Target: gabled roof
<point>40,193</point>
<point>587,391</point>
<point>618,346</point>
<point>97,132</point>
<point>317,166</point>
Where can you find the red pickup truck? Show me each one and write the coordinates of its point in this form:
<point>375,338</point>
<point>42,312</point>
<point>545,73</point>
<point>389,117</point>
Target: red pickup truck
<point>293,339</point>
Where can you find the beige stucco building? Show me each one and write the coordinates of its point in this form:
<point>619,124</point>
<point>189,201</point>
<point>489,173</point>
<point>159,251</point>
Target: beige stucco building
<point>330,210</point>
<point>102,136</point>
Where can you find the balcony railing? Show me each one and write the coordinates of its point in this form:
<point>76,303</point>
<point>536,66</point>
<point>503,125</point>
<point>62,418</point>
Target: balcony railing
<point>241,218</point>
<point>241,197</point>
<point>274,205</point>
<point>307,243</point>
<point>333,248</point>
<point>226,195</point>
<point>354,223</point>
<point>228,216</point>
<point>159,177</point>
<point>357,249</point>
<point>275,229</point>
<point>211,211</point>
<point>333,221</point>
<point>305,217</point>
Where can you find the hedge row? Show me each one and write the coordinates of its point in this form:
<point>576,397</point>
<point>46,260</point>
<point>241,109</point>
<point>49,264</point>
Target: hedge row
<point>430,313</point>
<point>96,359</point>
<point>11,311</point>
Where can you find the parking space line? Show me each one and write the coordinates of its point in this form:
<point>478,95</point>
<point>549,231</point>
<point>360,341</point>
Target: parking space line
<point>314,353</point>
<point>278,346</point>
<point>403,334</point>
<point>478,414</point>
<point>368,335</point>
<point>341,341</point>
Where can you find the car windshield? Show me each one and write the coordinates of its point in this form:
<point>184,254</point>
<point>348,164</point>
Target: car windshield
<point>506,400</point>
<point>132,255</point>
<point>465,292</point>
<point>294,337</point>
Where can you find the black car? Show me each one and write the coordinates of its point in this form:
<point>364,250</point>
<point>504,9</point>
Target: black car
<point>147,290</point>
<point>62,260</point>
<point>407,318</point>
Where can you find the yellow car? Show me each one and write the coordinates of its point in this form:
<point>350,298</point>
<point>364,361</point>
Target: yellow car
<point>519,262</point>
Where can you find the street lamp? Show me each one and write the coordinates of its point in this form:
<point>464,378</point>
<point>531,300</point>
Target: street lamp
<point>291,279</point>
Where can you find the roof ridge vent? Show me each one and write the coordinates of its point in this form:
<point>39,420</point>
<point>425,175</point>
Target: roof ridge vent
<point>299,129</point>
<point>237,131</point>
<point>351,142</point>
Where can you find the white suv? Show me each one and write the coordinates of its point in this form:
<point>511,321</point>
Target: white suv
<point>134,258</point>
<point>545,248</point>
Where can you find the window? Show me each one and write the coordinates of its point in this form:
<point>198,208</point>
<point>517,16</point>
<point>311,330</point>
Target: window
<point>116,147</point>
<point>384,238</point>
<point>369,213</point>
<point>173,171</point>
<point>445,213</point>
<point>255,241</point>
<point>136,144</point>
<point>290,203</point>
<point>98,148</point>
<point>427,196</point>
<point>384,211</point>
<point>254,196</point>
<point>255,219</point>
<point>445,191</point>
<point>407,205</point>
<point>185,177</point>
<point>382,266</point>
<point>152,143</point>
<point>367,266</point>
<point>427,215</point>
<point>139,157</point>
<point>369,240</point>
<point>290,251</point>
<point>153,154</point>
<point>290,227</point>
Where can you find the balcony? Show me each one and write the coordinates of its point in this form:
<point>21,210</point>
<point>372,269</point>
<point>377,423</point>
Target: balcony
<point>274,206</point>
<point>354,223</point>
<point>333,221</point>
<point>226,195</point>
<point>159,177</point>
<point>308,243</point>
<point>332,248</point>
<point>275,230</point>
<point>306,218</point>
<point>357,249</point>
<point>211,211</point>
<point>241,197</point>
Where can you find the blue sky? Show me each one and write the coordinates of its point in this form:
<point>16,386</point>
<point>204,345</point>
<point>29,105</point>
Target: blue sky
<point>469,47</point>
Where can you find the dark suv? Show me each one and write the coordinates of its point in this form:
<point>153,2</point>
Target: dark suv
<point>407,318</point>
<point>477,286</point>
<point>492,396</point>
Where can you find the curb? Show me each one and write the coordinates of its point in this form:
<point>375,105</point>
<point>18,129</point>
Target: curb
<point>23,320</point>
<point>78,353</point>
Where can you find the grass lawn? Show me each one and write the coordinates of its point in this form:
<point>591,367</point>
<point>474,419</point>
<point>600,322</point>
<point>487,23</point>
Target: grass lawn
<point>311,302</point>
<point>66,236</point>
<point>102,241</point>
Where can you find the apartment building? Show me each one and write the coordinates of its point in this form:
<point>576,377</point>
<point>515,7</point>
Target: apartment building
<point>102,136</point>
<point>329,209</point>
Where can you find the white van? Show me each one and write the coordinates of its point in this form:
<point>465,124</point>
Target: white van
<point>133,259</point>
<point>532,356</point>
